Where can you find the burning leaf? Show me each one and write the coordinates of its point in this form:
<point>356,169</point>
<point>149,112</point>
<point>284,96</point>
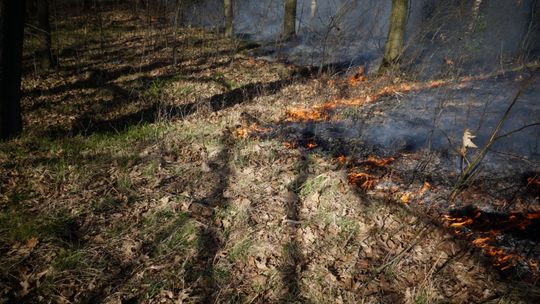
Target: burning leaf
<point>362,180</point>
<point>241,133</point>
<point>342,159</point>
<point>311,145</point>
<point>481,242</point>
<point>406,197</point>
<point>462,223</point>
<point>379,162</point>
<point>358,77</point>
<point>533,216</point>
<point>245,131</point>
<point>425,187</point>
<point>289,145</point>
<point>305,115</point>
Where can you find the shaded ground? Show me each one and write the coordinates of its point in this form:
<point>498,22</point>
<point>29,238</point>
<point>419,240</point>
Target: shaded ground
<point>134,182</point>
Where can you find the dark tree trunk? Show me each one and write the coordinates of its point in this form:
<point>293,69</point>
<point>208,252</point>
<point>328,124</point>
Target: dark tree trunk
<point>90,5</point>
<point>11,42</point>
<point>228,13</point>
<point>396,33</point>
<point>44,53</point>
<point>289,20</point>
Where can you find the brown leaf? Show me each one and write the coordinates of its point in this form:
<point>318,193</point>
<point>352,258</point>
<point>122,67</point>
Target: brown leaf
<point>25,286</point>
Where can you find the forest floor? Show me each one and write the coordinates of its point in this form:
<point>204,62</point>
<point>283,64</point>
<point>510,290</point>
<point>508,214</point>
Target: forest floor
<point>136,181</point>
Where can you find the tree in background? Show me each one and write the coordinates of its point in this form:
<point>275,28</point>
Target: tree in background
<point>11,43</point>
<point>396,34</point>
<point>228,13</point>
<point>313,8</point>
<point>43,33</point>
<point>289,20</point>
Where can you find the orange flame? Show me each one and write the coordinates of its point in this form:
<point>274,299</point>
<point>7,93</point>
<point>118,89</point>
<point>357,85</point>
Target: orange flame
<point>362,180</point>
<point>357,77</point>
<point>305,115</point>
<point>481,242</point>
<point>534,181</point>
<point>533,215</point>
<point>319,112</point>
<point>425,187</point>
<point>342,159</point>
<point>289,145</point>
<point>244,131</point>
<point>462,223</point>
<point>502,259</point>
<point>311,145</point>
<point>406,197</point>
<point>379,162</point>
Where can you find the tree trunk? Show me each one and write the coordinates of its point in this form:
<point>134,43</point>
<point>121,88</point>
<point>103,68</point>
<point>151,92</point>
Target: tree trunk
<point>396,33</point>
<point>313,8</point>
<point>289,20</point>
<point>11,42</point>
<point>228,13</point>
<point>175,31</point>
<point>475,14</point>
<point>44,53</point>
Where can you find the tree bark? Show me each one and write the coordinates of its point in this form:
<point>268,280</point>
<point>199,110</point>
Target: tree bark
<point>475,14</point>
<point>43,31</point>
<point>289,20</point>
<point>11,42</point>
<point>313,8</point>
<point>228,13</point>
<point>396,33</point>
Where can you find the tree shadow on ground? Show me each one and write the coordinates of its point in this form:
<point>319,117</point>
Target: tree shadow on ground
<point>210,236</point>
<point>97,79</point>
<point>150,114</point>
<point>294,261</point>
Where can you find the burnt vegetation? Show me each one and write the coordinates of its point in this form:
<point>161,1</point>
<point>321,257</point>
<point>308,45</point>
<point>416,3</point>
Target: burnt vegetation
<point>298,151</point>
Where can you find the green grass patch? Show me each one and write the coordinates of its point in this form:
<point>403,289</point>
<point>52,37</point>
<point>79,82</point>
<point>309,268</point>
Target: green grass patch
<point>240,251</point>
<point>18,226</point>
<point>311,185</point>
<point>172,232</point>
<point>68,259</point>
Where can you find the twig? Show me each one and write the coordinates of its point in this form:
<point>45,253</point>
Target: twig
<point>400,255</point>
<point>518,130</point>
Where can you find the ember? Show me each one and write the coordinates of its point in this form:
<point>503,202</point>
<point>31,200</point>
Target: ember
<point>317,113</point>
<point>306,115</point>
<point>358,77</point>
<point>321,112</point>
<point>534,182</point>
<point>485,231</point>
<point>244,131</point>
<point>289,145</point>
<point>378,162</point>
<point>311,145</point>
<point>362,180</point>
